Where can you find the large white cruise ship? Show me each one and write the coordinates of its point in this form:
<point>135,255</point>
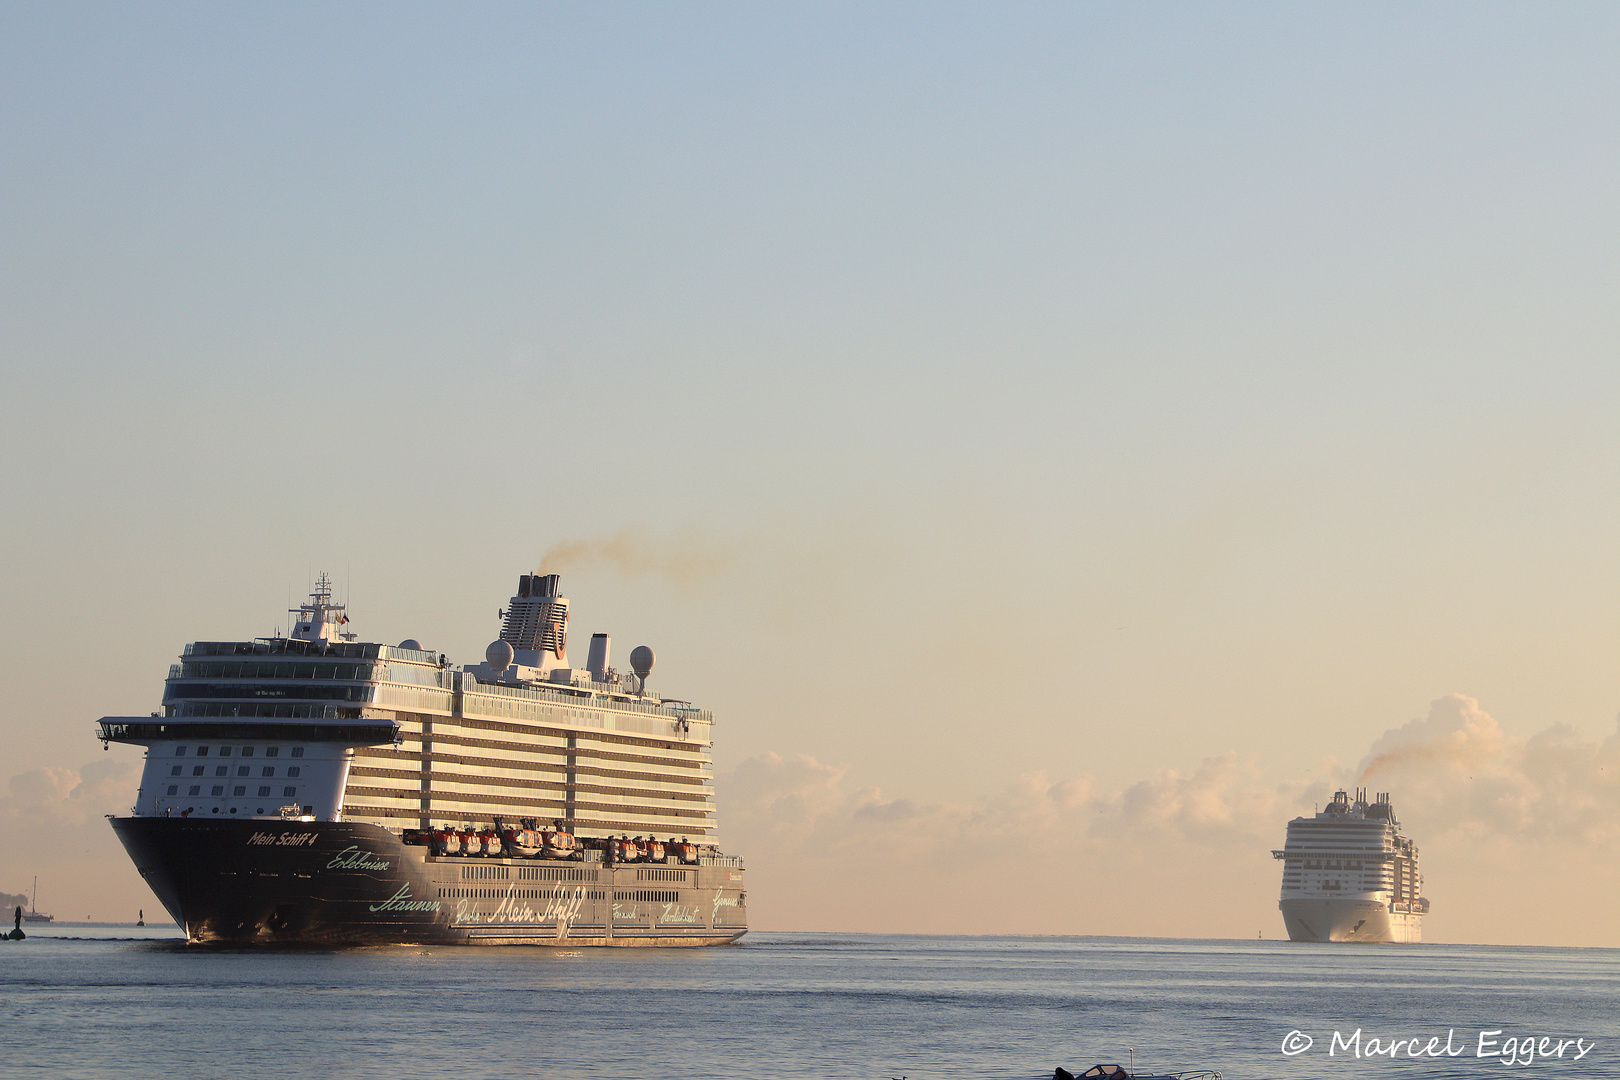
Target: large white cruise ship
<point>314,788</point>
<point>1349,875</point>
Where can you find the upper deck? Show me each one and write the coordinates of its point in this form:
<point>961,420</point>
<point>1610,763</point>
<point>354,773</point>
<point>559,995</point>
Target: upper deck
<point>521,735</point>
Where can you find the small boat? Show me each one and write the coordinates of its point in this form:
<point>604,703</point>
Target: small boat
<point>33,914</point>
<point>652,850</point>
<point>1120,1072</point>
<point>682,851</point>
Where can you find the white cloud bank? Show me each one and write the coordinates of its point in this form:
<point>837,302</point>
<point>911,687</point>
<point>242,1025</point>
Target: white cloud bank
<point>1499,820</point>
<point>54,824</point>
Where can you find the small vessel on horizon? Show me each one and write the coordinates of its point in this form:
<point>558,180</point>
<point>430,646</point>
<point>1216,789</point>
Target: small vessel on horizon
<point>33,914</point>
<point>1350,875</point>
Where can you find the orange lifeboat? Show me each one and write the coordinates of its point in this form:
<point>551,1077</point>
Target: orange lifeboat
<point>652,850</point>
<point>521,842</point>
<point>559,844</point>
<point>490,841</point>
<point>446,841</point>
<point>683,851</point>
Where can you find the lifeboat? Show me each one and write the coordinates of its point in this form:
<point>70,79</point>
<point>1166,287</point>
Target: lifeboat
<point>469,842</point>
<point>559,844</point>
<point>626,850</point>
<point>490,840</point>
<point>523,842</point>
<point>652,850</point>
<point>682,851</point>
<point>446,841</point>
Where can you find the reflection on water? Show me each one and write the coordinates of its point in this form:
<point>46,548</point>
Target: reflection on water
<point>100,1001</point>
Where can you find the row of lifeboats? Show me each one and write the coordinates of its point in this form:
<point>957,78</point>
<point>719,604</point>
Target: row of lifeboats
<point>529,841</point>
<point>524,841</point>
<point>624,849</point>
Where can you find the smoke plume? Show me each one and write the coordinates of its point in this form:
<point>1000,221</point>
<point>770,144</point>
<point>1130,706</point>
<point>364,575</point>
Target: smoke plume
<point>633,552</point>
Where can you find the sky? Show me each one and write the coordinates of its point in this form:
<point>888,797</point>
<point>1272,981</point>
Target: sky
<point>1071,439</point>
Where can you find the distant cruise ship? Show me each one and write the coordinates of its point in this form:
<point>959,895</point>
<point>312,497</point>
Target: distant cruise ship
<point>1349,875</point>
<point>318,789</point>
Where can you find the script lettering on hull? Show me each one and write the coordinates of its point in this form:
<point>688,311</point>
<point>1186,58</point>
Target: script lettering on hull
<point>401,901</point>
<point>267,839</point>
<point>352,858</point>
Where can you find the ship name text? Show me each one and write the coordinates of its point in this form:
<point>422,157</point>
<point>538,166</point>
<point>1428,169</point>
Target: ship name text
<point>268,839</point>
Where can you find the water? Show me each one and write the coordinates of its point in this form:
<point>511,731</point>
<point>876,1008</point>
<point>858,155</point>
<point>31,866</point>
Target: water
<point>102,1002</point>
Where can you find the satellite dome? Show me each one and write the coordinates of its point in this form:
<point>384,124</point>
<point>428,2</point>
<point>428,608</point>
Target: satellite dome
<point>411,643</point>
<point>499,654</point>
<point>641,661</point>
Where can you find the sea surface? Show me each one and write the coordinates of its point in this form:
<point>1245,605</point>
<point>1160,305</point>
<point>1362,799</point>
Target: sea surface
<point>98,1002</point>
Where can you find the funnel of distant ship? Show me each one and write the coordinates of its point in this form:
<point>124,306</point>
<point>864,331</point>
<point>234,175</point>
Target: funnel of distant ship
<point>1350,875</point>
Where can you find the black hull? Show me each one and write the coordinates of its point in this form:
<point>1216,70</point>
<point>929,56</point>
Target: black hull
<point>322,883</point>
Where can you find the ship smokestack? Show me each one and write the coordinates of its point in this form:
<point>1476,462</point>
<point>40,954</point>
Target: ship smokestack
<point>536,623</point>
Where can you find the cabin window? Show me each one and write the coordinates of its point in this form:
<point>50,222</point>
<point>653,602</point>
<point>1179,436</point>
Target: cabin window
<point>272,751</point>
<point>222,771</point>
<point>238,791</point>
<point>268,770</point>
<point>202,751</point>
<point>263,792</point>
<point>247,751</point>
<point>219,789</point>
<point>243,770</point>
<point>179,751</point>
<point>174,789</point>
<point>175,771</point>
<point>224,751</point>
<point>293,770</point>
<point>298,751</point>
<point>196,789</point>
<point>288,792</point>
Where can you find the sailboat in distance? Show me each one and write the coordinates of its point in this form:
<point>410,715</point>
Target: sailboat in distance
<point>33,914</point>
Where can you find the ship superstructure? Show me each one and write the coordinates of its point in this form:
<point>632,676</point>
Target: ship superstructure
<point>1350,875</point>
<point>315,787</point>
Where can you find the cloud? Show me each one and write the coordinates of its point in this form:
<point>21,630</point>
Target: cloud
<point>55,820</point>
<point>1187,853</point>
<point>1460,774</point>
<point>52,798</point>
<point>1044,855</point>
